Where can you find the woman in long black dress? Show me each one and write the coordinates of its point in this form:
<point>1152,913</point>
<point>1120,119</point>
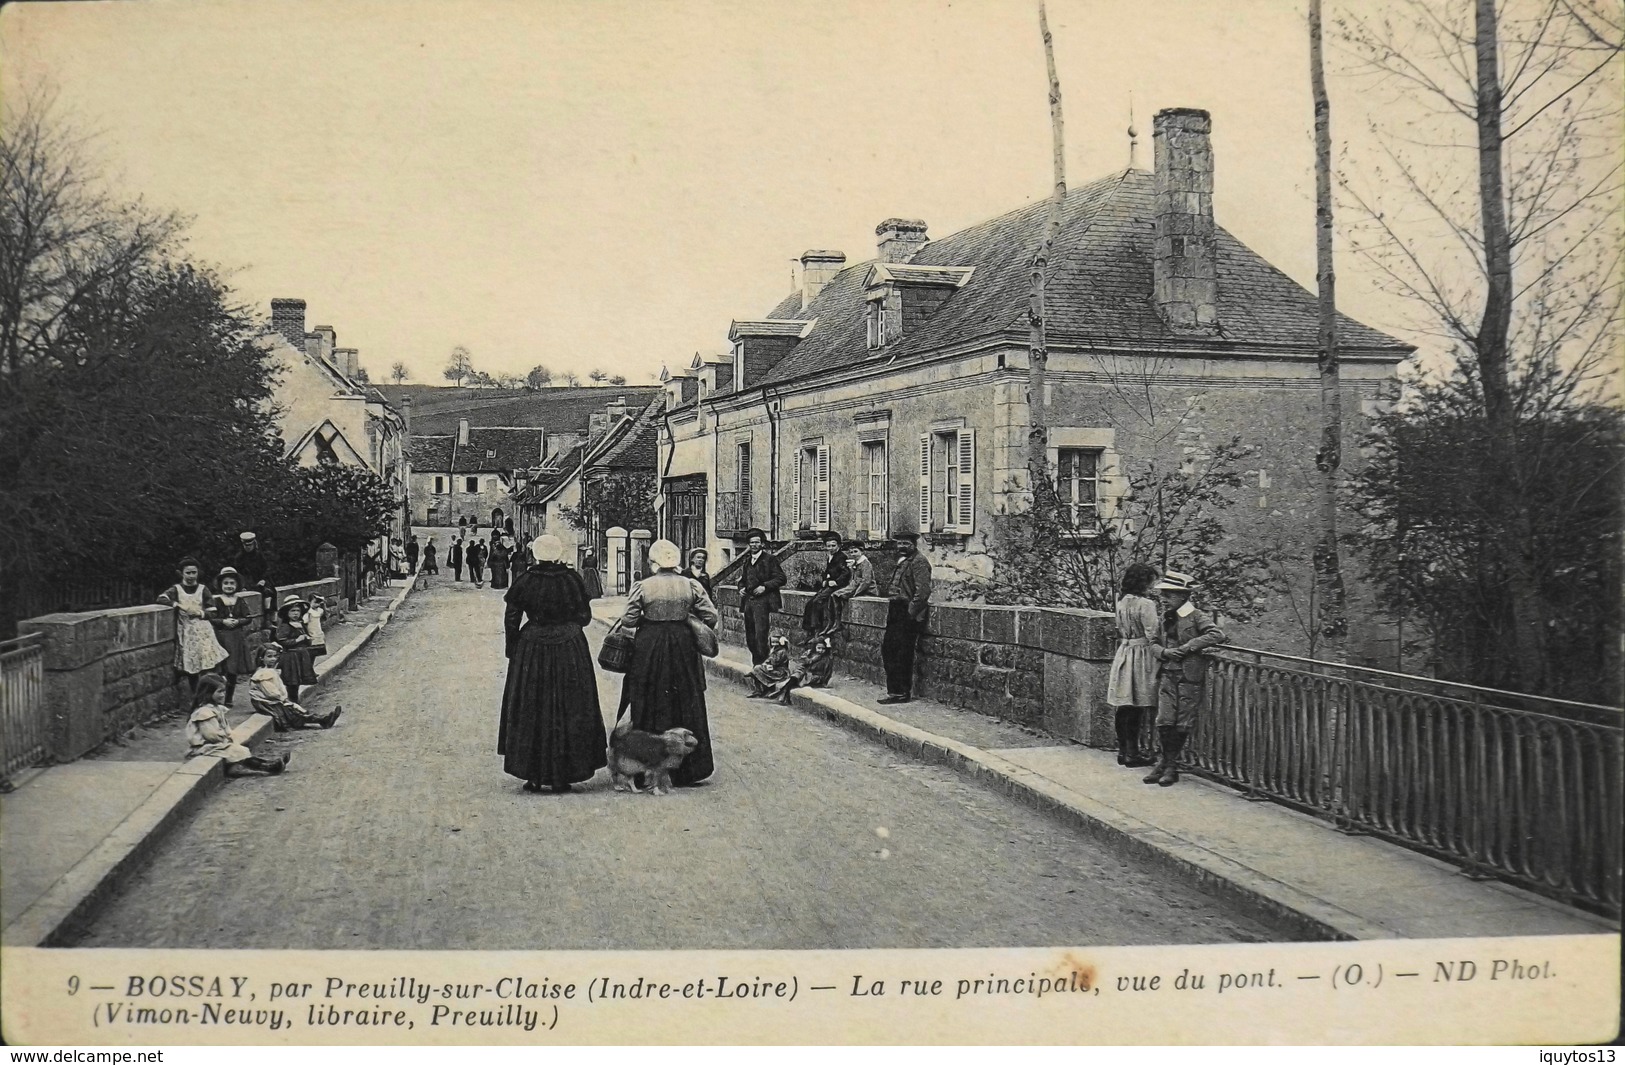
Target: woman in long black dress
<point>665,682</point>
<point>552,734</point>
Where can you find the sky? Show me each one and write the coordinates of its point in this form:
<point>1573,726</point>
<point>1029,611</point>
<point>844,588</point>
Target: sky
<point>610,183</point>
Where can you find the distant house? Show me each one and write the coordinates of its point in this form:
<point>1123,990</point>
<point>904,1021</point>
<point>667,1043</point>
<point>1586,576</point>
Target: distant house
<point>565,413</point>
<point>891,395</point>
<point>472,473</point>
<point>623,445</point>
<point>325,412</point>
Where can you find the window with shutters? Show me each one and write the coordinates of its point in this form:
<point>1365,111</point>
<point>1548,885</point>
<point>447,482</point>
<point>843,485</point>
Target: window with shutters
<point>742,486</point>
<point>873,459</point>
<point>1077,487</point>
<point>810,487</point>
<point>948,481</point>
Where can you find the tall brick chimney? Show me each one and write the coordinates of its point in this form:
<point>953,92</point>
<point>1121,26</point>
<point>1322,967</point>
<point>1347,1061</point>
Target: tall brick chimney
<point>818,268</point>
<point>406,414</point>
<point>288,318</point>
<point>462,432</point>
<point>1184,271</point>
<point>900,239</point>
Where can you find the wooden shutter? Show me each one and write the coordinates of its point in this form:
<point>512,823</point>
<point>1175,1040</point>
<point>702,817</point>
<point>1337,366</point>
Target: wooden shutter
<point>801,456</point>
<point>925,483</point>
<point>821,508</point>
<point>966,457</point>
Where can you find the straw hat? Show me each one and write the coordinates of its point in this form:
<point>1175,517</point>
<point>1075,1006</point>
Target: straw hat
<point>1174,581</point>
<point>547,548</point>
<point>663,554</point>
<point>288,604</point>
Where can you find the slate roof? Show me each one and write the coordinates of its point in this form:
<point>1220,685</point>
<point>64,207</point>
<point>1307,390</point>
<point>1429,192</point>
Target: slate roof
<point>637,448</point>
<point>558,410</point>
<point>488,451</point>
<point>1099,291</point>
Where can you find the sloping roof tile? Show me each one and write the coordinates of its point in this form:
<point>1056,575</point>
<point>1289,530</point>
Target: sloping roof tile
<point>1099,289</point>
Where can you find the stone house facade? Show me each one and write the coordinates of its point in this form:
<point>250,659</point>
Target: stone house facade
<point>326,413</point>
<point>891,395</point>
<point>472,474</point>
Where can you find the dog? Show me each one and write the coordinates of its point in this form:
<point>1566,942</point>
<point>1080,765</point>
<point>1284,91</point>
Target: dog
<point>632,752</point>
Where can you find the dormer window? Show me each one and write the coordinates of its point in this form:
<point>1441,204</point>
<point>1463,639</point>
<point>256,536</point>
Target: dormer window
<point>877,322</point>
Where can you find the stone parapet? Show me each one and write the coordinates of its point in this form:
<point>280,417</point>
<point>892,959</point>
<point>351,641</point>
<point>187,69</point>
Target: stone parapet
<point>1045,668</point>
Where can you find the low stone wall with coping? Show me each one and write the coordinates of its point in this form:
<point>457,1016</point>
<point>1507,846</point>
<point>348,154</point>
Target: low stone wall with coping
<point>1044,667</point>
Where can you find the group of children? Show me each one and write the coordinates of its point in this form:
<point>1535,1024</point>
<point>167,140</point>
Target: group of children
<point>777,677</point>
<point>213,662</point>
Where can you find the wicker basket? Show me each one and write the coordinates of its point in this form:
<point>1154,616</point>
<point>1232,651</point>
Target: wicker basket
<point>616,654</point>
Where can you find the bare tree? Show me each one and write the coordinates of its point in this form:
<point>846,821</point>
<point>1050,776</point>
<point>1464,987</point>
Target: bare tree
<point>1331,622</point>
<point>1037,341</point>
<point>459,367</point>
<point>1520,265</point>
<point>399,373</point>
<point>570,380</point>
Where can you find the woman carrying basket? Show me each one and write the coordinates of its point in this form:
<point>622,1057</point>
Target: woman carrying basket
<point>552,733</point>
<point>665,681</point>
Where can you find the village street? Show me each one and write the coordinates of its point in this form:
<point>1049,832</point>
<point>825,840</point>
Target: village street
<point>398,829</point>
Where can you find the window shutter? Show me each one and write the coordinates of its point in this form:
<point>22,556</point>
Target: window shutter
<point>796,488</point>
<point>822,515</point>
<point>925,483</point>
<point>967,480</point>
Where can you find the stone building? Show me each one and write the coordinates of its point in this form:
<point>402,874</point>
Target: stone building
<point>621,445</point>
<point>473,473</point>
<point>891,394</point>
<point>325,412</point>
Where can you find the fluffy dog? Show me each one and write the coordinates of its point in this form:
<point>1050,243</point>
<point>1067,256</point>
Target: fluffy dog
<point>632,752</point>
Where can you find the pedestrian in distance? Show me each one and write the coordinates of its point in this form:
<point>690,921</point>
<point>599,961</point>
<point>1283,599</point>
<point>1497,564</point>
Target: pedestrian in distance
<point>759,584</point>
<point>196,649</point>
<point>695,570</point>
<point>589,576</point>
<point>551,734</point>
<point>454,558</point>
<point>292,635</point>
<point>268,695</point>
<point>431,564</point>
<point>231,618</point>
<point>397,560</point>
<point>315,626</point>
<point>823,611</point>
<point>207,732</point>
<point>664,686</point>
<point>908,601</point>
<point>1186,635</point>
<point>1131,685</point>
<point>413,549</point>
<point>474,555</point>
<point>500,558</point>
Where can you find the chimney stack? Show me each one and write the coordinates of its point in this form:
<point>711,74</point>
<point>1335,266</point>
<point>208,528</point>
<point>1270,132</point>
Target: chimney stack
<point>320,341</point>
<point>406,414</point>
<point>900,239</point>
<point>462,432</point>
<point>818,268</point>
<point>1184,268</point>
<point>288,318</point>
<point>348,360</point>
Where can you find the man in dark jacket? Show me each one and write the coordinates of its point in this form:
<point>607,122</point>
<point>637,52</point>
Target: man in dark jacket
<point>253,571</point>
<point>908,602</point>
<point>759,584</point>
<point>454,557</point>
<point>1186,633</point>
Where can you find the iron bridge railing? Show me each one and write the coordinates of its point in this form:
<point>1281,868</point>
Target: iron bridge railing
<point>1520,787</point>
<point>25,722</point>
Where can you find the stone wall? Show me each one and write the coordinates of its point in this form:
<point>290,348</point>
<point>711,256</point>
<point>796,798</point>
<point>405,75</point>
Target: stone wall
<point>109,671</point>
<point>1041,667</point>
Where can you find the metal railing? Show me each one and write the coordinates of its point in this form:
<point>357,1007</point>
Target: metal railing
<point>1519,787</point>
<point>25,724</point>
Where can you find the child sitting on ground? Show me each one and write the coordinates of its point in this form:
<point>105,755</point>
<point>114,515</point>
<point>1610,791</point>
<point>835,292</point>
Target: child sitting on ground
<point>766,678</point>
<point>207,732</point>
<point>268,695</point>
<point>811,671</point>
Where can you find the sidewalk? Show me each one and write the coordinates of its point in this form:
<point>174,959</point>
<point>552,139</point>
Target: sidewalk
<point>70,833</point>
<point>1294,870</point>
